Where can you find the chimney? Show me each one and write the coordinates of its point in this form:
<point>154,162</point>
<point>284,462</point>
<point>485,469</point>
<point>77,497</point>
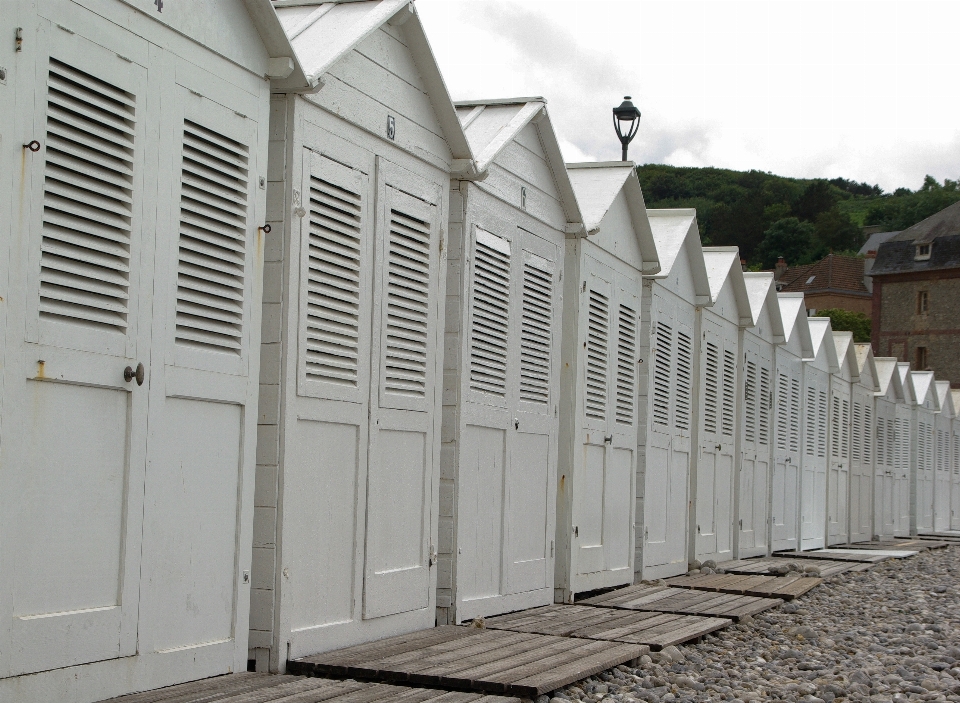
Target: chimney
<point>743,264</point>
<point>779,269</point>
<point>869,260</point>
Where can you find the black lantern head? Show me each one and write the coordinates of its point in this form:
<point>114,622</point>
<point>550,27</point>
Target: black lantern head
<point>626,121</point>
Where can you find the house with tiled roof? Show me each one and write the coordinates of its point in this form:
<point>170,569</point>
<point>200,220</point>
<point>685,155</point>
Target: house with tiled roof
<point>916,286</point>
<point>836,281</point>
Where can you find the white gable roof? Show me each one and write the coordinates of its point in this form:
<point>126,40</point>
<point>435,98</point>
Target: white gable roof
<point>843,343</point>
<point>795,321</point>
<point>597,185</point>
<point>944,398</point>
<point>955,396</point>
<point>924,389</point>
<point>723,268</point>
<point>867,366</point>
<point>821,334</point>
<point>492,124</point>
<point>888,376</point>
<point>762,293</point>
<point>321,33</point>
<point>674,230</point>
<point>906,382</point>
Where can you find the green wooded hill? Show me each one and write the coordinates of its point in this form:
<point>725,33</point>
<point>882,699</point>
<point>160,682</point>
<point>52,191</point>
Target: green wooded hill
<point>800,219</point>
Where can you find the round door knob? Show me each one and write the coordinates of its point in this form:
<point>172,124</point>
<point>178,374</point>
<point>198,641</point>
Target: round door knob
<point>129,374</point>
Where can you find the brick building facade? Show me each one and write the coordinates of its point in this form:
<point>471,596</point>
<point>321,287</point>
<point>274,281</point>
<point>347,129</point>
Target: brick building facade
<point>916,296</point>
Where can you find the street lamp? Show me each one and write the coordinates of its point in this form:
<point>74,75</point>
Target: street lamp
<point>629,114</point>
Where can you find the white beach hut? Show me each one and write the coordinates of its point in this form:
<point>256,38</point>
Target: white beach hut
<point>906,449</point>
<point>943,462</point>
<point>758,416</point>
<point>955,467</point>
<point>598,382</point>
<point>788,427</point>
<point>719,398</point>
<point>672,298</point>
<point>923,457</point>
<point>863,446</point>
<point>838,480</point>
<point>817,372</point>
<point>502,364</point>
<point>136,144</point>
<point>892,482</point>
<point>351,379</point>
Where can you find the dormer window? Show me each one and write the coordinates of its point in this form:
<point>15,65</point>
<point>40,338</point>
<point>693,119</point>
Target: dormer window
<point>923,252</point>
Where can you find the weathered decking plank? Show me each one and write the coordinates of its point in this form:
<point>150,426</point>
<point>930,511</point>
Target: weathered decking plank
<point>651,628</point>
<point>665,599</point>
<point>785,588</point>
<point>266,688</point>
<point>835,556</point>
<point>473,659</point>
<point>762,566</point>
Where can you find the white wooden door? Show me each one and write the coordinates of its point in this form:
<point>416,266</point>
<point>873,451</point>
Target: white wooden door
<point>755,451</point>
<point>403,418</point>
<point>925,471</point>
<point>207,287</point>
<point>861,466</point>
<point>668,437</point>
<point>941,493</point>
<point>786,471</point>
<point>714,518</point>
<point>813,492</point>
<point>325,463</point>
<point>530,485</point>
<point>603,498</point>
<point>955,477</point>
<point>904,443</point>
<point>72,511</point>
<point>885,466</point>
<point>838,490</point>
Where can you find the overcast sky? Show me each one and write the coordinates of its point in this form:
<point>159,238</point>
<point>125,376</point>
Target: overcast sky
<point>810,88</point>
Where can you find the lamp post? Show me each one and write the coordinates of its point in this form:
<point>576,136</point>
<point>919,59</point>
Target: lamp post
<point>629,114</point>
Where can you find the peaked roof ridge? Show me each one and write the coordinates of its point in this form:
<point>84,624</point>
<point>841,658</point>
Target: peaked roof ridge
<point>843,342</point>
<point>673,230</point>
<point>866,364</point>
<point>762,292</point>
<point>945,398</point>
<point>819,326</point>
<point>944,223</point>
<point>794,315</point>
<point>723,264</point>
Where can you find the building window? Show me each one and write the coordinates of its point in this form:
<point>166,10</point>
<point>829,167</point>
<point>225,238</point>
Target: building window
<point>921,358</point>
<point>923,303</point>
<point>923,252</point>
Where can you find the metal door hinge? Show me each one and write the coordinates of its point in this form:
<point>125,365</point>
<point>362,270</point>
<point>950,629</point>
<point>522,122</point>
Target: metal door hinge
<point>19,39</point>
<point>551,548</point>
<point>433,555</point>
<point>576,531</point>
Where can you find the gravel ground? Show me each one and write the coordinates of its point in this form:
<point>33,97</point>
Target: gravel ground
<point>888,634</point>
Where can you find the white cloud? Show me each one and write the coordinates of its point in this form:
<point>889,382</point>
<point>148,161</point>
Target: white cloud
<point>797,87</point>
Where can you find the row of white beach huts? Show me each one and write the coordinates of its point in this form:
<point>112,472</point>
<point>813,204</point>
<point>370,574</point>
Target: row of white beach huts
<point>297,353</point>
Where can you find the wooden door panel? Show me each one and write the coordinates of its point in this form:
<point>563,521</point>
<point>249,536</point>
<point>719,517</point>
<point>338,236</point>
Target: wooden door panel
<point>481,511</point>
<point>617,499</point>
<point>589,510</point>
<point>528,505</point>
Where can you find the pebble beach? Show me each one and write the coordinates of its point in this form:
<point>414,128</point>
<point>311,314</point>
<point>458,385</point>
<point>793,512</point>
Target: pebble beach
<point>888,634</point>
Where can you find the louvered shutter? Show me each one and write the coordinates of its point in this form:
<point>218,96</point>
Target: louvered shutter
<point>536,329</point>
<point>891,443</point>
<point>663,345</point>
<point>835,428</point>
<point>728,406</point>
<point>711,388</point>
<point>334,281</point>
<point>88,200</point>
<point>794,415</point>
<point>783,411</point>
<point>822,424</point>
<point>626,364</point>
<point>407,333</point>
<point>763,421</point>
<point>597,351</point>
<point>845,430</point>
<point>490,314</point>
<point>857,432</point>
<point>750,403</point>
<point>882,443</point>
<point>684,380</point>
<point>212,249</point>
<point>811,425</point>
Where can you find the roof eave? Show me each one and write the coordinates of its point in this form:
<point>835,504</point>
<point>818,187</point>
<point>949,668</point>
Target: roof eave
<point>277,46</point>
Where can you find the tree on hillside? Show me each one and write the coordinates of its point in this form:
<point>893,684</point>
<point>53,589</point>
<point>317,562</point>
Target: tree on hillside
<point>789,238</point>
<point>847,321</point>
<point>816,198</point>
<point>835,231</point>
<point>906,208</point>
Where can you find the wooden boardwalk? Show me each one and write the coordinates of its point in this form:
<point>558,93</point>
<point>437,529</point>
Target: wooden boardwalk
<point>952,537</point>
<point>835,556</point>
<point>472,659</point>
<point>783,587</point>
<point>827,567</point>
<point>266,688</point>
<point>654,629</point>
<point>664,599</point>
<point>913,545</point>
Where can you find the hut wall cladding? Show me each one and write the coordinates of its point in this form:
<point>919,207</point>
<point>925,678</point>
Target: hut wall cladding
<point>841,406</point>
<point>131,280</point>
<point>498,467</point>
<point>349,434</point>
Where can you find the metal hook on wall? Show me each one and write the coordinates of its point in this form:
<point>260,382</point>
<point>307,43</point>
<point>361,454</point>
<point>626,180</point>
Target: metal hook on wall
<point>33,146</point>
